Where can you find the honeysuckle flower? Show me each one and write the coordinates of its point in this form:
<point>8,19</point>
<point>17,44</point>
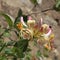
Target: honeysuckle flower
<point>42,32</point>
<point>46,38</point>
<point>30,22</point>
<point>45,27</point>
<point>38,41</point>
<point>48,34</point>
<point>38,29</point>
<point>46,31</point>
<point>27,34</point>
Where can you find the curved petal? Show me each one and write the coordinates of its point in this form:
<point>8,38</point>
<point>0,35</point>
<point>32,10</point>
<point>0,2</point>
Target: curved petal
<point>47,34</point>
<point>23,22</point>
<point>41,21</point>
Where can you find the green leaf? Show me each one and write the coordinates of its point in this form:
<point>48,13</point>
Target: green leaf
<point>34,2</point>
<point>22,44</point>
<point>19,13</point>
<point>38,54</point>
<point>8,51</point>
<point>57,5</point>
<point>21,47</point>
<point>10,43</point>
<point>8,19</point>
<point>18,17</point>
<point>4,45</point>
<point>3,58</point>
<point>28,56</point>
<point>6,34</point>
<point>1,42</point>
<point>46,55</point>
<point>19,53</point>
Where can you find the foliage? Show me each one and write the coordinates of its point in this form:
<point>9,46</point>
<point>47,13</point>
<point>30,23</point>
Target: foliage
<point>27,30</point>
<point>57,5</point>
<point>18,47</point>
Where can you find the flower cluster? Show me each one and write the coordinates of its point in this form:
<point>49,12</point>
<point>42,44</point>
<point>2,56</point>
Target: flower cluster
<point>33,29</point>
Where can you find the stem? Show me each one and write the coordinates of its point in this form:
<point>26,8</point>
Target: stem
<point>41,11</point>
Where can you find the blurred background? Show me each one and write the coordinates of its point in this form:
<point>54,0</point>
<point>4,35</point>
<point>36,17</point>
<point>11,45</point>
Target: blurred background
<point>49,10</point>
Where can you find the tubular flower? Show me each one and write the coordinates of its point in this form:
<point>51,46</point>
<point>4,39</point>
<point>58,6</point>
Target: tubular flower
<point>46,31</point>
<point>45,28</point>
<point>27,34</point>
<point>30,22</point>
